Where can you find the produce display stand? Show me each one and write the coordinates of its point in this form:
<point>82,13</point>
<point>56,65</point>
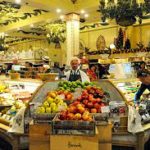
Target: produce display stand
<point>124,138</point>
<point>17,140</point>
<point>42,135</point>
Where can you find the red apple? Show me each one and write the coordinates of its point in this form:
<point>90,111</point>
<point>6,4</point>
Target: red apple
<point>85,117</point>
<point>102,104</point>
<point>79,105</point>
<point>93,110</point>
<point>75,103</point>
<point>68,96</point>
<point>63,115</point>
<point>97,106</point>
<point>77,116</point>
<point>90,104</point>
<point>90,97</point>
<point>98,100</point>
<point>85,101</point>
<point>71,109</point>
<point>81,110</point>
<point>70,116</point>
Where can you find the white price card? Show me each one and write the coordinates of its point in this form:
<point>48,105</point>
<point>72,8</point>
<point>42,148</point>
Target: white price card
<point>105,109</point>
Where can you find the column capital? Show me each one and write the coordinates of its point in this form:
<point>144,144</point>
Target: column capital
<point>72,16</point>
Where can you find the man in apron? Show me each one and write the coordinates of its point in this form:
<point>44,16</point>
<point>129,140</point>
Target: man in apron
<point>75,73</point>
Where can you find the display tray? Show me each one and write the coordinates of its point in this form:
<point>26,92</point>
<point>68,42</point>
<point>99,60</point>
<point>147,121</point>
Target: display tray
<point>4,106</point>
<point>43,118</point>
<point>75,127</point>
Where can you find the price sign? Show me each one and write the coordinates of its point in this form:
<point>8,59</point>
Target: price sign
<point>105,109</point>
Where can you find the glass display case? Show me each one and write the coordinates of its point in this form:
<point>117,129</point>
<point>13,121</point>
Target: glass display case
<point>14,95</point>
<point>129,87</point>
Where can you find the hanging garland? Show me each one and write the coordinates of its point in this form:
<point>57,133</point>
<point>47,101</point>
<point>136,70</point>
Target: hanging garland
<point>34,33</point>
<point>8,7</point>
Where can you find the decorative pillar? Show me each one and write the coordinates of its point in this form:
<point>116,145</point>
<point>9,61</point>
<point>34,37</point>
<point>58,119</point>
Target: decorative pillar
<point>73,24</point>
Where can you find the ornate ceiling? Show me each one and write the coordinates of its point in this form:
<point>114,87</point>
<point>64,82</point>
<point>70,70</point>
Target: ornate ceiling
<point>27,19</point>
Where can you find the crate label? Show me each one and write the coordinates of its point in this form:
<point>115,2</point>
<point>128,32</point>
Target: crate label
<point>74,145</point>
<point>71,142</point>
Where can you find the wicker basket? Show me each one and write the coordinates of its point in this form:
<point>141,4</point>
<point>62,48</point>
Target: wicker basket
<point>47,76</point>
<point>14,76</point>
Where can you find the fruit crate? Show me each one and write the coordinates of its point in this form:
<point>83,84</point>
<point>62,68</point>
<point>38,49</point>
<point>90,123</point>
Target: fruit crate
<point>43,118</point>
<point>101,118</point>
<point>75,127</point>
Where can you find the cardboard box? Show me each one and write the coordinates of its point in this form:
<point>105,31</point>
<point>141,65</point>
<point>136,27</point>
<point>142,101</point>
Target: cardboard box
<point>70,142</point>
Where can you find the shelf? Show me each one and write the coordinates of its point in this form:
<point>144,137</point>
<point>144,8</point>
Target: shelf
<point>20,60</point>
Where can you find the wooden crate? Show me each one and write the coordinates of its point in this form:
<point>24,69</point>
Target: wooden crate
<point>105,136</point>
<point>39,135</point>
<point>71,142</point>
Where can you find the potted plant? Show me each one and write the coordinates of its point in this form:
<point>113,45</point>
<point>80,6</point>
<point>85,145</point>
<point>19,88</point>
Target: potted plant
<point>56,33</point>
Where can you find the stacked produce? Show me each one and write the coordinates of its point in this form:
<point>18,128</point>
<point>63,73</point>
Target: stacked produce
<point>90,101</point>
<point>71,86</point>
<point>52,104</point>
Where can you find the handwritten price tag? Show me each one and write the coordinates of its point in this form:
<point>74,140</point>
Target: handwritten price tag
<point>105,109</point>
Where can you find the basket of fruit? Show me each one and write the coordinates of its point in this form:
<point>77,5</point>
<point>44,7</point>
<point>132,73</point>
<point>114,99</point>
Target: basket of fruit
<point>75,120</point>
<point>47,76</point>
<point>51,105</point>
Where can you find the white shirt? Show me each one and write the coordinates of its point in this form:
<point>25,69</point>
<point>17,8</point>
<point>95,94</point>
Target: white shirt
<point>84,76</point>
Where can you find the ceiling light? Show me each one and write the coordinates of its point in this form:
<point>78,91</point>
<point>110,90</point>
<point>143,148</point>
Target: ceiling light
<point>58,10</point>
<point>82,11</point>
<point>86,15</point>
<point>32,25</point>
<point>62,17</point>
<point>112,46</point>
<point>17,1</point>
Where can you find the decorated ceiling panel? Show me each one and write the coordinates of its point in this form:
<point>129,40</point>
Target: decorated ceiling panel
<point>11,12</point>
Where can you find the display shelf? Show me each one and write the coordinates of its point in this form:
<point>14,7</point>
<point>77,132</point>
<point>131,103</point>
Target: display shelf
<point>20,60</point>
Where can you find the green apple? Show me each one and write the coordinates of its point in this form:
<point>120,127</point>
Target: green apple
<point>48,110</point>
<point>46,104</point>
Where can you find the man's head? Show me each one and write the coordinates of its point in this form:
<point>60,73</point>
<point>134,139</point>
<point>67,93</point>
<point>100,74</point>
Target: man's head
<point>75,62</point>
<point>144,77</point>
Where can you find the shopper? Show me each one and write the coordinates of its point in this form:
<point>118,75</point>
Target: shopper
<point>75,73</point>
<point>144,77</point>
<point>142,66</point>
<point>91,72</point>
<point>46,66</point>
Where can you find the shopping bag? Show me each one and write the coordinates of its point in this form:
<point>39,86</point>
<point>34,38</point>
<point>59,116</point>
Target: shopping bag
<point>134,120</point>
<point>18,122</point>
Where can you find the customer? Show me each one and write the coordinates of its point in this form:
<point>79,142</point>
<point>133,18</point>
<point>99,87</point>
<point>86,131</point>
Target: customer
<point>46,66</point>
<point>75,73</point>
<point>142,66</point>
<point>144,77</point>
<point>91,72</point>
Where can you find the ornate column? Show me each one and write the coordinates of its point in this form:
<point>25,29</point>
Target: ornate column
<point>73,24</point>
